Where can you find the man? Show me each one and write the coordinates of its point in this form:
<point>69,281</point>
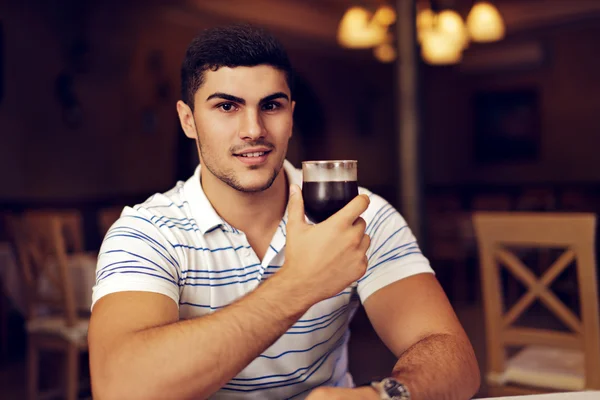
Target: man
<point>195,297</point>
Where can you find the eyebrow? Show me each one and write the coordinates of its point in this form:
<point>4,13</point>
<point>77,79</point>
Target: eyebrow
<point>229,97</point>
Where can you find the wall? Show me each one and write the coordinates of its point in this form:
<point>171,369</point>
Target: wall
<point>569,85</point>
<point>115,151</point>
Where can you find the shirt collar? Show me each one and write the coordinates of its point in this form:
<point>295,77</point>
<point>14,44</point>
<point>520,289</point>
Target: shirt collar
<point>204,213</point>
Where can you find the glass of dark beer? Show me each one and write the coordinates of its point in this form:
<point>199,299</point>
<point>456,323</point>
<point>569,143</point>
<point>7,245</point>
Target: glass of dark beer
<point>327,187</point>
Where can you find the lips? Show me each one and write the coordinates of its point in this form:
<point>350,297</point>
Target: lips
<point>254,156</point>
<point>253,152</point>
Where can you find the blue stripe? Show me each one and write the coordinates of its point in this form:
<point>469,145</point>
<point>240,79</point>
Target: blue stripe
<point>143,258</point>
<point>304,350</point>
<point>185,246</point>
<point>272,385</point>
<point>170,227</point>
<point>141,235</point>
<point>185,303</point>
<point>331,318</point>
<point>385,261</point>
<point>282,230</point>
<point>324,316</point>
<point>220,272</point>
<point>114,263</point>
<point>221,284</point>
<point>273,248</point>
<point>214,228</point>
<point>335,364</point>
<point>141,273</point>
<point>383,218</point>
<point>404,247</point>
<point>165,205</point>
<point>316,329</point>
<point>221,277</point>
<point>159,221</point>
<point>375,215</point>
<point>385,241</point>
<point>99,278</point>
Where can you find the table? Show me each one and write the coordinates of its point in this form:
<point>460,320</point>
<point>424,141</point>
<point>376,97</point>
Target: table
<point>592,395</point>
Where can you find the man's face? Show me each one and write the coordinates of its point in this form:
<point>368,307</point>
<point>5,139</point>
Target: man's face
<point>242,121</point>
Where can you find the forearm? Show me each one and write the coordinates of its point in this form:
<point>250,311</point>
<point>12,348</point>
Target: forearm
<point>194,358</point>
<point>440,367</point>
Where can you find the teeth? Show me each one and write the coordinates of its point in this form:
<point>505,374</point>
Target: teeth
<point>257,154</point>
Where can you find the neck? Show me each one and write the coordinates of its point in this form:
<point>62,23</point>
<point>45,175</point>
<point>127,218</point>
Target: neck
<point>248,212</point>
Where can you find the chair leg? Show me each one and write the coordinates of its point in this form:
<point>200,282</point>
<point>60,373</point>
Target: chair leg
<point>72,371</point>
<point>33,372</point>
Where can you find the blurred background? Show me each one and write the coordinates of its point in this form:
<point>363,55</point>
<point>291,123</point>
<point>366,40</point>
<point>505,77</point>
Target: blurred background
<point>450,106</point>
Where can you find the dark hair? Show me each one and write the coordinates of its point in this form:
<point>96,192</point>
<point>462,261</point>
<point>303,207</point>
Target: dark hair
<point>230,46</point>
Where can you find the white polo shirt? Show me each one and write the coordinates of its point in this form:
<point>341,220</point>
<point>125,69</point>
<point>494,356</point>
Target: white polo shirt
<point>176,244</point>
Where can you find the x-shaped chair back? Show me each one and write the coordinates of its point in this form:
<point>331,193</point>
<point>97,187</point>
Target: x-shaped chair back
<point>575,232</point>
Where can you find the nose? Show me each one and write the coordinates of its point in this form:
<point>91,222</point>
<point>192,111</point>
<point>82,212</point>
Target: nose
<point>251,126</point>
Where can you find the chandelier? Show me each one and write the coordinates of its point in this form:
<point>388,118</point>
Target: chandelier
<point>443,35</point>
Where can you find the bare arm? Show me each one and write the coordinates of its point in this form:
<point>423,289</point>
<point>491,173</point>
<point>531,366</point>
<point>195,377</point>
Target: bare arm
<point>138,349</point>
<point>144,353</point>
<point>415,320</point>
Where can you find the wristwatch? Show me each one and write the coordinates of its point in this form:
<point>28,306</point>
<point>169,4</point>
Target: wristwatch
<point>391,389</point>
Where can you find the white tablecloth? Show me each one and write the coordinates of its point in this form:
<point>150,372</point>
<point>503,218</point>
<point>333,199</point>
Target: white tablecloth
<point>83,272</point>
<point>555,396</point>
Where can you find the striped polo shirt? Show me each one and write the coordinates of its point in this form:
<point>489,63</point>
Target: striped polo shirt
<point>177,245</point>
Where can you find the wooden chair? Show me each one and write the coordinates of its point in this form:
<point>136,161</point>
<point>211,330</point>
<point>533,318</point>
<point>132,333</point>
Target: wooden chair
<point>71,226</point>
<point>52,320</point>
<point>551,360</point>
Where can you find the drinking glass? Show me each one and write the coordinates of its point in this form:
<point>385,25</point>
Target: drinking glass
<point>327,187</point>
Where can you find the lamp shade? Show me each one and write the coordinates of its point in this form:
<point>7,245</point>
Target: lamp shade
<point>440,49</point>
<point>385,53</point>
<point>484,23</point>
<point>385,15</point>
<point>451,24</point>
<point>357,30</point>
<point>425,18</point>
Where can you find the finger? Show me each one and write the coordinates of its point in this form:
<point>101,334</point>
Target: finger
<point>360,223</point>
<point>353,209</point>
<point>295,206</point>
<point>365,243</point>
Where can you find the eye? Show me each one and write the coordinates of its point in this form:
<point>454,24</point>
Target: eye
<point>271,106</point>
<point>227,107</point>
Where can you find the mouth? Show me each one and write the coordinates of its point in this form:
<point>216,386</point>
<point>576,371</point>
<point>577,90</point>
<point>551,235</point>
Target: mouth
<point>253,156</point>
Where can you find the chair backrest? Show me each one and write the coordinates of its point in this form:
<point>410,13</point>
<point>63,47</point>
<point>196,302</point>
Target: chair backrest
<point>572,231</point>
<point>71,226</point>
<point>42,256</point>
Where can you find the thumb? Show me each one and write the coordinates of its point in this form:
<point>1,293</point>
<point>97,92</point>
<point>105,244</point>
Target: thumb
<point>295,206</point>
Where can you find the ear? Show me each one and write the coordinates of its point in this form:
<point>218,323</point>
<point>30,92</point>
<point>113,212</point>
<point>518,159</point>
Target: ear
<point>186,118</point>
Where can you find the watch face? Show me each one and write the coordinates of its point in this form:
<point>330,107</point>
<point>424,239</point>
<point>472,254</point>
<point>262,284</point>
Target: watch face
<point>394,389</point>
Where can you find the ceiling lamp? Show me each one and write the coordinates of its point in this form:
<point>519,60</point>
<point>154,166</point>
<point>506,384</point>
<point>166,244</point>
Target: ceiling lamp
<point>425,18</point>
<point>385,16</point>
<point>485,23</point>
<point>385,53</point>
<point>357,30</point>
<point>450,23</point>
<point>440,49</point>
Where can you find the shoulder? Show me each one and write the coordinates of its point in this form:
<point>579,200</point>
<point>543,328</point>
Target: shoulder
<point>168,211</point>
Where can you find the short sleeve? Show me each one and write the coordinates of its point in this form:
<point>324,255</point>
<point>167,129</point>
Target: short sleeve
<point>394,253</point>
<point>136,256</point>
